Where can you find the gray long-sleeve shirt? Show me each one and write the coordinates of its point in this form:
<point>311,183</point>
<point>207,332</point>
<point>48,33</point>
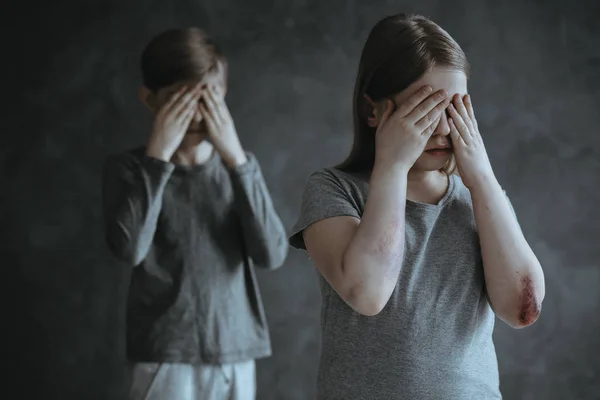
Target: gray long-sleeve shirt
<point>194,235</point>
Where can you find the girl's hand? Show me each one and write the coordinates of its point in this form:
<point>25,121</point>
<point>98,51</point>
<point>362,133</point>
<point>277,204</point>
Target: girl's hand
<point>403,132</point>
<point>471,158</point>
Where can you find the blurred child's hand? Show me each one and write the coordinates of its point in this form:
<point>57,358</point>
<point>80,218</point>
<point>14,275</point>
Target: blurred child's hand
<point>171,123</point>
<point>221,129</point>
<point>471,157</point>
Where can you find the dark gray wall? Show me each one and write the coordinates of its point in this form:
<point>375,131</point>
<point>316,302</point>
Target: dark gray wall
<point>535,84</point>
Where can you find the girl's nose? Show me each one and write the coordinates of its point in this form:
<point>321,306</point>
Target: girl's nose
<point>443,127</point>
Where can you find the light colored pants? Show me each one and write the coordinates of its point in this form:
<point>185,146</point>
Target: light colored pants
<point>164,381</point>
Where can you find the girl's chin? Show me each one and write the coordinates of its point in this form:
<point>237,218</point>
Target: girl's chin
<point>431,165</point>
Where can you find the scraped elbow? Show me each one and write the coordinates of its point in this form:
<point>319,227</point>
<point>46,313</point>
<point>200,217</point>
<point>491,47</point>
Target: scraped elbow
<point>527,314</point>
<point>526,307</point>
<point>523,317</point>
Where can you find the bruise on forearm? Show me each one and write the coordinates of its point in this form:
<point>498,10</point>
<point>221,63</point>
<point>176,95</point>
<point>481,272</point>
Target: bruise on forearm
<point>378,247</point>
<point>384,246</point>
<point>389,246</point>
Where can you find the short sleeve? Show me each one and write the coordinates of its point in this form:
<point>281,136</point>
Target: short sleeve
<point>325,196</point>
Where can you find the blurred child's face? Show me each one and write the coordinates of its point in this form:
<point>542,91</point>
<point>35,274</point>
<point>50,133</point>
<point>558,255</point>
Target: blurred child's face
<point>161,96</point>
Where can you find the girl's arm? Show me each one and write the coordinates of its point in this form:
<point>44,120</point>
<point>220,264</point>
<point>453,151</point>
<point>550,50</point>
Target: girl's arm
<point>361,259</point>
<point>513,274</point>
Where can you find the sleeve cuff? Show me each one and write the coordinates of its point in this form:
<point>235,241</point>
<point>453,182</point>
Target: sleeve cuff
<point>156,165</point>
<point>249,167</point>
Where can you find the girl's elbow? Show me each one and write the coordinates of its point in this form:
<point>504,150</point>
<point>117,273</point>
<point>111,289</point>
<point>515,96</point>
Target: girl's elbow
<point>367,294</point>
<point>368,303</point>
<point>521,317</point>
<point>523,307</point>
<point>529,301</point>
<point>369,309</point>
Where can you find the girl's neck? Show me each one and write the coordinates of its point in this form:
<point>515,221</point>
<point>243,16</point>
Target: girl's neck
<point>427,186</point>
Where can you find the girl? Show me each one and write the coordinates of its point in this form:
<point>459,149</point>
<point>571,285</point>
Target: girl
<point>414,259</point>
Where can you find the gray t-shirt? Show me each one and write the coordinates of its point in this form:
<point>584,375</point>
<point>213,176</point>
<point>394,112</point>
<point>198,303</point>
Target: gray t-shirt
<point>433,339</point>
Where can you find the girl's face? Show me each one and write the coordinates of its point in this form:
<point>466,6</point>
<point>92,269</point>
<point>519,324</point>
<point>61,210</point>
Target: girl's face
<point>438,78</point>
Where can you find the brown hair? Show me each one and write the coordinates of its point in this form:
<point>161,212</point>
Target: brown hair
<point>399,50</point>
<point>178,55</point>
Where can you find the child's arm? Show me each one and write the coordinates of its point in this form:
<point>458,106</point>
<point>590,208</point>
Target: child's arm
<point>132,189</point>
<point>513,275</point>
<point>360,258</point>
<point>132,199</point>
<point>264,235</point>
